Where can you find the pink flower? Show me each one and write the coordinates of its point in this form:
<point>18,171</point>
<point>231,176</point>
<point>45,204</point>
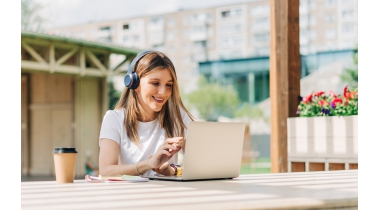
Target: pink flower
<point>333,94</point>
<point>308,98</point>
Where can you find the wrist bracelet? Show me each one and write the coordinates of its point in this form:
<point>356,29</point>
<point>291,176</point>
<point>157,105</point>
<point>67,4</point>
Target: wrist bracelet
<point>140,174</point>
<point>177,169</point>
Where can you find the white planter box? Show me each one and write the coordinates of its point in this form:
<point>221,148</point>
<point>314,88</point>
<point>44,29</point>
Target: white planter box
<point>323,140</point>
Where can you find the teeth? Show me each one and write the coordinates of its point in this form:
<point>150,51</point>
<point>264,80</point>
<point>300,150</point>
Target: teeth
<point>159,99</point>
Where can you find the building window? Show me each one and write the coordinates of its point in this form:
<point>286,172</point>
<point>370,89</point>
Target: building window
<point>232,28</point>
<point>171,48</point>
<point>125,26</point>
<point>209,17</point>
<point>330,33</point>
<point>348,29</point>
<point>232,13</point>
<point>186,20</point>
<point>171,22</point>
<point>136,38</point>
<point>312,35</point>
<point>348,1</point>
<point>304,20</point>
<point>262,37</point>
<point>155,20</point>
<point>312,20</point>
<point>312,4</point>
<point>105,28</point>
<point>329,18</point>
<point>262,51</point>
<point>170,35</point>
<point>304,33</point>
<point>261,23</point>
<point>231,42</point>
<point>348,13</point>
<point>186,47</point>
<point>186,33</point>
<point>329,3</point>
<point>226,14</point>
<point>260,10</point>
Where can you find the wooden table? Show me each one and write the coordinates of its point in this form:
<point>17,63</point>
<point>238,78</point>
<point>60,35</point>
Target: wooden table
<point>302,190</point>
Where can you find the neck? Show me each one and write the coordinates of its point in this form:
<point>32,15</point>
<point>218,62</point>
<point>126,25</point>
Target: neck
<point>148,118</point>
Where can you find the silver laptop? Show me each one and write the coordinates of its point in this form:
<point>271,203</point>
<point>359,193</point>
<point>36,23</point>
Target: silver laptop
<point>213,151</point>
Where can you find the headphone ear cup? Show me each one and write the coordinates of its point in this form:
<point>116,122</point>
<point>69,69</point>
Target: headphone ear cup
<point>127,80</point>
<point>135,81</point>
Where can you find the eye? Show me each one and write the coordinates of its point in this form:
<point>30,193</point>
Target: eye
<point>169,85</point>
<point>155,83</point>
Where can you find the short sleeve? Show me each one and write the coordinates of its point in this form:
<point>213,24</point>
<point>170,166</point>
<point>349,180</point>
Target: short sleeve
<point>111,126</point>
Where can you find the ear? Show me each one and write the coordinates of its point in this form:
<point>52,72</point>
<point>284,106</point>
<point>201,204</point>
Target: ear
<point>137,89</point>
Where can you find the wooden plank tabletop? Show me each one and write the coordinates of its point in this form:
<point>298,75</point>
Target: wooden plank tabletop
<point>302,190</point>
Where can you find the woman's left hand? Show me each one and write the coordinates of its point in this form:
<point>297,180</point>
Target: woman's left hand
<point>165,169</point>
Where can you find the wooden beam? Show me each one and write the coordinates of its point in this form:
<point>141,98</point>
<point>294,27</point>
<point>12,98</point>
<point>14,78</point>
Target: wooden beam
<point>66,56</point>
<point>52,57</point>
<point>284,76</point>
<point>82,61</point>
<point>96,61</point>
<point>33,53</point>
<point>33,65</point>
<point>117,68</point>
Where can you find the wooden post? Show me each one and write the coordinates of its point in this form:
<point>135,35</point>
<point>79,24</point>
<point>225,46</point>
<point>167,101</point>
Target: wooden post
<point>284,76</point>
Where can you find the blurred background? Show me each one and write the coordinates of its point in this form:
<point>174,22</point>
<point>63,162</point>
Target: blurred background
<point>220,50</point>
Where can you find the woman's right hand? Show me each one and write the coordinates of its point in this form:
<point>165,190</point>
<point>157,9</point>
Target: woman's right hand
<point>165,152</point>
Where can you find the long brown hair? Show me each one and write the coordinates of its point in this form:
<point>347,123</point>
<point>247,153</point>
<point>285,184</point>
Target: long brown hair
<point>169,116</point>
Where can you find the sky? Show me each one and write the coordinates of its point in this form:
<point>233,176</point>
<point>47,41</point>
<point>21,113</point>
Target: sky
<point>73,12</point>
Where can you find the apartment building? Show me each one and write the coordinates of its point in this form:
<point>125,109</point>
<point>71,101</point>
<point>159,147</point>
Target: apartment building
<point>224,32</point>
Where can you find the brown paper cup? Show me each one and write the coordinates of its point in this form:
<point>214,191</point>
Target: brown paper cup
<point>64,164</point>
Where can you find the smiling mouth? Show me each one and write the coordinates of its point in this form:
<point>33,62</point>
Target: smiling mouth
<point>159,100</point>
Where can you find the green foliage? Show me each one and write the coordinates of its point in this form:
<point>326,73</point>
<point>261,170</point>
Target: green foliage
<point>246,110</point>
<point>213,100</point>
<point>113,95</point>
<point>351,75</point>
<point>31,15</point>
<point>321,104</point>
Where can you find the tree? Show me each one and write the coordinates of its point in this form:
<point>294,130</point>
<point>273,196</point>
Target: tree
<point>213,100</point>
<point>350,75</point>
<point>31,16</point>
<point>249,111</point>
<point>113,95</point>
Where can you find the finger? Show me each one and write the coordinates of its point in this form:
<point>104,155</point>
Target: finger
<point>169,147</point>
<point>174,140</point>
<point>163,166</point>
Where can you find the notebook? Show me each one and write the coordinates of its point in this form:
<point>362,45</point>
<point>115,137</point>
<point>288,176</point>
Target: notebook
<point>213,151</point>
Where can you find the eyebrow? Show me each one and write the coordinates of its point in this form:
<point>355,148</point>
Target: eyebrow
<point>159,80</point>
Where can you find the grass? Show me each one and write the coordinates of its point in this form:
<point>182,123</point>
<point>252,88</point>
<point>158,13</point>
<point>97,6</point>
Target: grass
<point>247,169</point>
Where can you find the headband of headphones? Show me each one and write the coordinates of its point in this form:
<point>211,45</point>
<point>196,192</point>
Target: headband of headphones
<point>131,80</point>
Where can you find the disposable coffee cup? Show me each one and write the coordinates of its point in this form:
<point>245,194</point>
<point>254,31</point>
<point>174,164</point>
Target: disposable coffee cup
<point>64,164</point>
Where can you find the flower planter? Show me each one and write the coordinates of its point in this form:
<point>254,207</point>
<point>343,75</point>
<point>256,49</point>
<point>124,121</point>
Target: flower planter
<point>322,143</point>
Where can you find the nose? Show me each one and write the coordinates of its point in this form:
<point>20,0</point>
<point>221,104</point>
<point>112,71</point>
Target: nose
<point>162,90</point>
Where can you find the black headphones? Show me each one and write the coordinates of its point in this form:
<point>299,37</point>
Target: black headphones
<point>131,79</point>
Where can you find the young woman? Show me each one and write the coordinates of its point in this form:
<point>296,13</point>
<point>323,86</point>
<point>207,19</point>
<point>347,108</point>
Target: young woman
<point>147,128</point>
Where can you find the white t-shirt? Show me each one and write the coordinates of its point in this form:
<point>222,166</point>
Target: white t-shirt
<point>150,134</point>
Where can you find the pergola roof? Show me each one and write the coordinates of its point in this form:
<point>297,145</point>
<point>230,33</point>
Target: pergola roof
<point>52,53</point>
<point>104,46</point>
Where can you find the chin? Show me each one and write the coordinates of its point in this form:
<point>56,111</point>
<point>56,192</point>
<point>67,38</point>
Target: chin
<point>156,109</point>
